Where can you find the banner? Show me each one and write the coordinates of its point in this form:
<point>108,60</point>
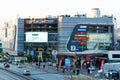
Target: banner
<point>32,53</point>
<point>68,62</point>
<point>59,65</point>
<point>101,66</point>
<point>40,55</point>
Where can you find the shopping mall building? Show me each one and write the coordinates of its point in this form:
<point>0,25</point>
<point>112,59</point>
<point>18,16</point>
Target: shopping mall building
<point>80,33</point>
<point>66,34</point>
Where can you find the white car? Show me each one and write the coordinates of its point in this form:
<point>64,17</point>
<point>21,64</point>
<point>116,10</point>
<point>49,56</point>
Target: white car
<point>26,72</point>
<point>19,66</point>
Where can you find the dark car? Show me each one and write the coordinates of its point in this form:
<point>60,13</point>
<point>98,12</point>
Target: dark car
<point>6,65</point>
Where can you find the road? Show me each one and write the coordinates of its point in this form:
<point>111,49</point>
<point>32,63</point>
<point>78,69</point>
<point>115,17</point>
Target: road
<point>37,74</point>
<point>5,75</point>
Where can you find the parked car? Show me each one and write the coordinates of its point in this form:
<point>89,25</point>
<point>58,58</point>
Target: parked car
<point>26,72</point>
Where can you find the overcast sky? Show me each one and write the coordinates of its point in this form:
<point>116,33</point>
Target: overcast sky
<point>10,9</point>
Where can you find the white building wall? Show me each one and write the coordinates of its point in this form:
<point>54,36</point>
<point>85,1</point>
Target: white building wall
<point>8,41</point>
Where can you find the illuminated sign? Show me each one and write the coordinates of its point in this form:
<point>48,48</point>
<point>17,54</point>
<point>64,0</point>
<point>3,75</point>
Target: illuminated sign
<point>78,39</point>
<point>100,37</point>
<point>81,29</point>
<point>36,36</point>
<point>96,40</point>
<point>73,48</point>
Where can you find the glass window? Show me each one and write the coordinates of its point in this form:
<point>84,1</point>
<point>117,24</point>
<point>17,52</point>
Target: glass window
<point>116,56</point>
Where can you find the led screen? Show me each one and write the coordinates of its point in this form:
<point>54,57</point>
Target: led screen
<point>36,36</point>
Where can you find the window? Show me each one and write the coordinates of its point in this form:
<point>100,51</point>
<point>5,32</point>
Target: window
<point>116,56</point>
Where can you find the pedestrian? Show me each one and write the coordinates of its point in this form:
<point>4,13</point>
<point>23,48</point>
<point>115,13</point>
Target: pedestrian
<point>78,72</point>
<point>39,64</point>
<point>36,64</point>
<point>88,70</point>
<point>110,75</point>
<point>73,71</point>
<point>63,70</point>
<point>43,65</point>
<point>57,68</point>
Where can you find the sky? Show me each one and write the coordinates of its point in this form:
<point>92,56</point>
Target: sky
<point>11,9</point>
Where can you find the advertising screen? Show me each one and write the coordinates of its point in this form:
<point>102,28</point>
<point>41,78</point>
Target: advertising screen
<point>36,37</point>
<point>96,40</point>
<point>99,37</point>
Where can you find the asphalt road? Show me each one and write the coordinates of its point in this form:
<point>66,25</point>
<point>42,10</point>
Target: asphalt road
<point>5,75</point>
<point>37,74</point>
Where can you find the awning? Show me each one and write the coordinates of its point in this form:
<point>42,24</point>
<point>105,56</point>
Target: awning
<point>87,52</point>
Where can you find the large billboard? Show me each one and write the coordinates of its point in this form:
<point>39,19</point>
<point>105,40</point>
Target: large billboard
<point>36,37</point>
<point>98,39</point>
<point>82,38</point>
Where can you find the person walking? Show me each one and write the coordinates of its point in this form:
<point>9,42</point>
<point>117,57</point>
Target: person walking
<point>44,65</point>
<point>88,70</point>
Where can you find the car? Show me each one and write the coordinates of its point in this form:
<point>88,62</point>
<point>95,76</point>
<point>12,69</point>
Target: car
<point>6,65</point>
<point>15,62</point>
<point>26,72</point>
<point>19,66</point>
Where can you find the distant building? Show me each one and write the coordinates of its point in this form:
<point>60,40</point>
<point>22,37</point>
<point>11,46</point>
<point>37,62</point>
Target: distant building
<point>13,37</point>
<point>25,35</point>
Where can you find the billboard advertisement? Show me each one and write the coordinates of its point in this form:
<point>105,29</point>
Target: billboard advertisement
<point>78,39</point>
<point>84,38</point>
<point>36,37</point>
<point>98,39</point>
<point>68,62</point>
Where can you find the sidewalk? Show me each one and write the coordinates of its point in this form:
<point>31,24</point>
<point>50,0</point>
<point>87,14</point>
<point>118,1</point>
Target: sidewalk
<point>46,68</point>
<point>67,74</point>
